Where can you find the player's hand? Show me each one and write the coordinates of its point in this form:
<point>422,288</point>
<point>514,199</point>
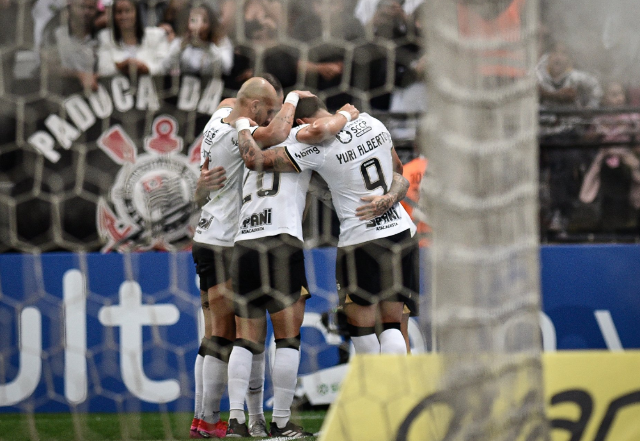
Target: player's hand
<point>377,206</point>
<point>304,93</point>
<point>211,179</point>
<point>355,113</point>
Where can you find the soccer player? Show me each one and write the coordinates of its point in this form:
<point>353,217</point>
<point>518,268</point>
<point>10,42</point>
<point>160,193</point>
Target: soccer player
<point>213,239</point>
<point>268,274</point>
<point>376,254</point>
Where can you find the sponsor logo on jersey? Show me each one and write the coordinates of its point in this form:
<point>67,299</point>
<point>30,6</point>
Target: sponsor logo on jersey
<point>151,201</point>
<point>344,136</point>
<point>256,221</point>
<point>205,222</point>
<point>307,152</point>
<point>359,127</point>
<point>387,220</point>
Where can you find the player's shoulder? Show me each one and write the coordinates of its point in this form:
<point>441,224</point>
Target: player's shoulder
<point>215,128</point>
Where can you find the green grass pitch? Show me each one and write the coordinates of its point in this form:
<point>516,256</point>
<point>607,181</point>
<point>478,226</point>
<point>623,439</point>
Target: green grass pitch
<point>124,426</point>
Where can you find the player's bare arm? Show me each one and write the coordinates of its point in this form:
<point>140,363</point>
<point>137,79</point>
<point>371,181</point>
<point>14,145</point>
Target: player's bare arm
<point>208,181</point>
<point>256,159</point>
<point>326,127</point>
<point>378,205</point>
<point>397,163</point>
<point>280,126</point>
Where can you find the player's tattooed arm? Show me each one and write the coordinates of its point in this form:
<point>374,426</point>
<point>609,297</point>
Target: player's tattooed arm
<point>378,205</point>
<point>328,126</point>
<point>209,180</point>
<point>256,159</point>
<point>280,126</point>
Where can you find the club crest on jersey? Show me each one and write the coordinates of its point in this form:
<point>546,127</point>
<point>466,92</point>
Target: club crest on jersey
<point>344,136</point>
<point>152,196</point>
<point>256,221</point>
<point>359,127</point>
<point>387,220</point>
<point>307,152</point>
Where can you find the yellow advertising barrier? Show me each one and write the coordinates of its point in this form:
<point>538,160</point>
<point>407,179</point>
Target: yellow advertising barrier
<point>589,396</point>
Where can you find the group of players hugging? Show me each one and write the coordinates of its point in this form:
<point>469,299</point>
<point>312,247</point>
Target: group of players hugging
<point>258,156</point>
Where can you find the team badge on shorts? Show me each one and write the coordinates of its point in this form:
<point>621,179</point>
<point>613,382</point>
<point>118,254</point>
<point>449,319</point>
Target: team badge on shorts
<point>152,196</point>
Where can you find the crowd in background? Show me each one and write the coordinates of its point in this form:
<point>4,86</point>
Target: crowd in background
<point>366,52</point>
<point>300,42</point>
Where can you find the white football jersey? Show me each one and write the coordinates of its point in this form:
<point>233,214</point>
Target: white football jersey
<point>272,202</point>
<point>219,218</point>
<point>356,163</point>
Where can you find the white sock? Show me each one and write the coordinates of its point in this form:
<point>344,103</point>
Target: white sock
<point>392,342</point>
<point>285,377</point>
<point>239,374</point>
<point>214,373</point>
<point>255,394</point>
<point>197,373</point>
<point>366,344</point>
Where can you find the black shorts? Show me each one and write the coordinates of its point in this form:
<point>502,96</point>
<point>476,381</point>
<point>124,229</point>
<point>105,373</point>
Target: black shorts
<point>384,269</point>
<point>213,264</point>
<point>268,275</point>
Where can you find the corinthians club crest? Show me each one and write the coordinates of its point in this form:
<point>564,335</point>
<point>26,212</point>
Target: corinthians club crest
<point>152,196</point>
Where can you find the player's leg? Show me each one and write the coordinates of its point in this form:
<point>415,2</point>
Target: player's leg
<point>286,310</point>
<point>391,338</point>
<point>250,319</point>
<point>255,394</point>
<point>399,274</point>
<point>197,370</point>
<point>357,277</point>
<point>218,346</point>
<point>249,342</point>
<point>203,259</point>
<point>404,328</point>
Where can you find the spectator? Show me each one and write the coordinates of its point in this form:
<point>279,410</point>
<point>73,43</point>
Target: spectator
<point>76,46</point>
<point>324,67</point>
<point>410,93</point>
<point>366,10</point>
<point>128,47</point>
<point>389,22</point>
<point>613,180</point>
<point>559,84</point>
<point>203,50</point>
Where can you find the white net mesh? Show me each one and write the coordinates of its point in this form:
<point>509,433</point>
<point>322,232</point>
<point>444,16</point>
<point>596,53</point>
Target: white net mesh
<point>481,189</point>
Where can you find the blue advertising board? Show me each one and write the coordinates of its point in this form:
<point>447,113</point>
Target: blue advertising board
<point>113,332</point>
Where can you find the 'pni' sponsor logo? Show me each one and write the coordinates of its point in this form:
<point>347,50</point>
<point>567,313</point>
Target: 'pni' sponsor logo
<point>256,221</point>
<point>152,197</point>
<point>359,128</point>
<point>344,136</point>
<point>387,220</point>
<point>307,152</point>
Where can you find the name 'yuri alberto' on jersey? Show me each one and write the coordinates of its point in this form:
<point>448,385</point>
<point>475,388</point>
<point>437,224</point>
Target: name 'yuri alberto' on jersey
<point>356,163</point>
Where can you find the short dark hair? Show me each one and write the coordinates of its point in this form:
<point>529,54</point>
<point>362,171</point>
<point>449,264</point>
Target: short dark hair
<point>274,81</point>
<point>307,107</point>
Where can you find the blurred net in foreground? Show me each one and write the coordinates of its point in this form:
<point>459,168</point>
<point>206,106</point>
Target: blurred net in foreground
<point>481,190</point>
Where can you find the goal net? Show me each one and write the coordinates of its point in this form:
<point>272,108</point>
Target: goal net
<point>112,165</point>
<point>482,199</point>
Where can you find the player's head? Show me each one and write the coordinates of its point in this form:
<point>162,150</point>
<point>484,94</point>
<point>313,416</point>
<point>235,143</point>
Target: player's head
<point>258,100</point>
<point>275,82</point>
<point>309,109</point>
